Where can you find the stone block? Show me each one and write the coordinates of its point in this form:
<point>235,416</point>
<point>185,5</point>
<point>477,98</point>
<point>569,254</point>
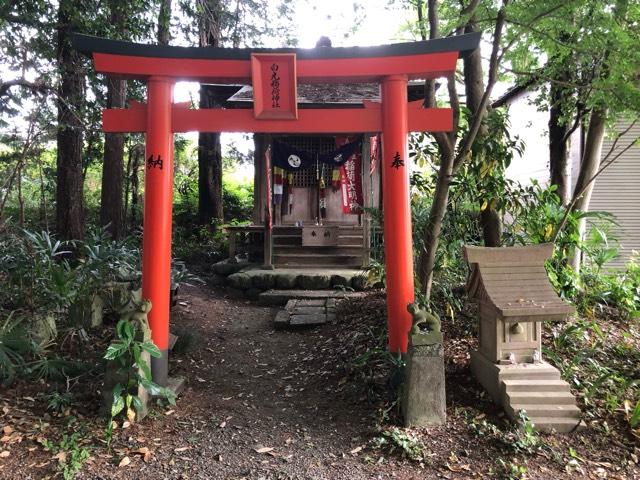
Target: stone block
<point>227,267</point>
<point>286,281</point>
<point>43,328</point>
<point>359,282</point>
<point>305,310</point>
<point>423,393</point>
<point>314,282</point>
<point>340,281</point>
<point>307,320</point>
<point>263,281</point>
<point>241,281</point>
<point>281,320</point>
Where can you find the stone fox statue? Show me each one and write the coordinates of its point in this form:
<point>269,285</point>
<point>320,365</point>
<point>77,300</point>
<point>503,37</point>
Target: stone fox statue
<point>431,321</point>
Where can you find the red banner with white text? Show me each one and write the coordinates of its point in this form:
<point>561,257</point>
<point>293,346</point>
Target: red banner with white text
<point>351,181</point>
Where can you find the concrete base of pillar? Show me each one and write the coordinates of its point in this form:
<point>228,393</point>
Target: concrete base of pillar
<point>160,368</point>
<point>423,393</point>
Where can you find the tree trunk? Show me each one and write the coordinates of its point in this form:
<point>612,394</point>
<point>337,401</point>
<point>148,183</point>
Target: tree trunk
<point>111,198</point>
<point>164,22</point>
<point>209,148</point>
<point>558,145</point>
<point>431,233</point>
<point>136,161</point>
<point>490,219</point>
<point>588,168</point>
<point>491,222</point>
<point>209,169</point>
<point>71,97</point>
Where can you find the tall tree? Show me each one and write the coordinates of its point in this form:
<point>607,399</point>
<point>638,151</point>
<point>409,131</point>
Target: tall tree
<point>164,22</point>
<point>591,69</point>
<point>210,206</point>
<point>111,197</point>
<point>454,152</point>
<point>71,99</point>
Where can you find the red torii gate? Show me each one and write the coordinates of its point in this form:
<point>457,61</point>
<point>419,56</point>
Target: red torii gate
<point>274,75</point>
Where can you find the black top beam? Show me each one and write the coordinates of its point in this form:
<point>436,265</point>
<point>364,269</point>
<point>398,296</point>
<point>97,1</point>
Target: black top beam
<point>88,44</point>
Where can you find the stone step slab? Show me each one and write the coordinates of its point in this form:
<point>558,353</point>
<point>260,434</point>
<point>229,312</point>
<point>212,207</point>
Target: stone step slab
<point>540,398</point>
<point>306,313</point>
<point>557,424</point>
<point>537,411</point>
<point>535,385</point>
<point>281,297</point>
<point>307,320</point>
<point>533,372</point>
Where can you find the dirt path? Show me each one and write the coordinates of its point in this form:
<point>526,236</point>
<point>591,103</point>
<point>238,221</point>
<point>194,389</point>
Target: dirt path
<point>266,404</point>
<point>251,389</point>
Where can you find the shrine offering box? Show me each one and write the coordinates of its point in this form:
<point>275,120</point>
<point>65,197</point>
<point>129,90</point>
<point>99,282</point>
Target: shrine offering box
<point>320,236</point>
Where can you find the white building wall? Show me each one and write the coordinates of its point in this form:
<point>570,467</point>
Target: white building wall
<point>617,191</point>
<point>531,126</point>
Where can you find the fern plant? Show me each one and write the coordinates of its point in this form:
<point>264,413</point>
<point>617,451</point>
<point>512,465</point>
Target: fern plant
<point>14,347</point>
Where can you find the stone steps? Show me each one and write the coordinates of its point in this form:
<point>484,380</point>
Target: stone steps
<point>557,424</point>
<point>542,394</point>
<point>535,411</point>
<point>541,398</point>
<point>282,297</point>
<point>536,385</point>
<point>316,259</point>
<point>529,373</point>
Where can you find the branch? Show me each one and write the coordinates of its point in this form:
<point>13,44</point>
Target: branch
<point>478,116</point>
<point>38,86</point>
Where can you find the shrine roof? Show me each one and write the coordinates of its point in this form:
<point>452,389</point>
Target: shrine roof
<point>514,282</point>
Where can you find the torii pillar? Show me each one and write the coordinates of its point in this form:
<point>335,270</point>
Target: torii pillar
<point>158,198</point>
<point>398,251</point>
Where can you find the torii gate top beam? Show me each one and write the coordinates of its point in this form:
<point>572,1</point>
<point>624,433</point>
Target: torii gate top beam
<point>416,60</point>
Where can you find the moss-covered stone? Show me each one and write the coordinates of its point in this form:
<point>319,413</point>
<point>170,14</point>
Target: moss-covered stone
<point>43,328</point>
<point>240,281</point>
<point>263,280</point>
<point>314,282</point>
<point>228,267</point>
<point>359,282</point>
<point>287,281</point>
<point>340,281</point>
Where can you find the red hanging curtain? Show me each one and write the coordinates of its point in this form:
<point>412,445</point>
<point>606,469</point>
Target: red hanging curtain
<point>351,181</point>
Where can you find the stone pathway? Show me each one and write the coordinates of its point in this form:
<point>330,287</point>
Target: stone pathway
<point>306,312</point>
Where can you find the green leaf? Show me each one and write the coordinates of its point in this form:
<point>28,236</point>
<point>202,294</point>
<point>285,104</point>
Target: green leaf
<point>117,403</point>
<point>115,350</point>
<point>150,347</point>
<point>137,403</point>
<point>144,366</point>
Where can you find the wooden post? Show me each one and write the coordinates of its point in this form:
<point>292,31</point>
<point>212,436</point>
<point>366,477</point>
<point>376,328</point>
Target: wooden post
<point>156,243</point>
<point>232,243</point>
<point>398,249</point>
